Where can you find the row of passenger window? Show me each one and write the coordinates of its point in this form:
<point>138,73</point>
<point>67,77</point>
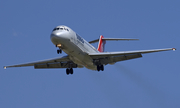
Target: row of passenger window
<point>60,29</point>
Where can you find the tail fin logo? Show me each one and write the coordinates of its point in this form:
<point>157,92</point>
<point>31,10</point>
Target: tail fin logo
<point>101,44</point>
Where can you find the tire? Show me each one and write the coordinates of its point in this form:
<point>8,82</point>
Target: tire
<point>67,71</point>
<point>102,67</point>
<point>71,71</point>
<point>98,68</point>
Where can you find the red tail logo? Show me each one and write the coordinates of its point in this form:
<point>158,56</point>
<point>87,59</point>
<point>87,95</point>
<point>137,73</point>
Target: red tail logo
<point>101,44</point>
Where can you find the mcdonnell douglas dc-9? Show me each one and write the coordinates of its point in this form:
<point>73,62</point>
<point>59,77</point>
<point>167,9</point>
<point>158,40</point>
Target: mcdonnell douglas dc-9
<point>81,53</point>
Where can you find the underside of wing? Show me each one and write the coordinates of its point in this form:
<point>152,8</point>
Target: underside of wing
<point>60,62</point>
<point>111,57</point>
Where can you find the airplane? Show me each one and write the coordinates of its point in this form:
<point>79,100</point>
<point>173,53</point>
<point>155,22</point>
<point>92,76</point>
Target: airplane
<point>81,53</point>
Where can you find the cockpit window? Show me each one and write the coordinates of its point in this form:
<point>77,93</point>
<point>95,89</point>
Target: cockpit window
<point>60,29</point>
<point>54,29</point>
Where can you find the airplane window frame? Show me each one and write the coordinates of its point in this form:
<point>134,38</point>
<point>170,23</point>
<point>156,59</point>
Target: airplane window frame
<point>60,28</point>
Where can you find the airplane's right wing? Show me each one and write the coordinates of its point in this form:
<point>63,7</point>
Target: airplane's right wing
<point>112,57</point>
<point>60,62</point>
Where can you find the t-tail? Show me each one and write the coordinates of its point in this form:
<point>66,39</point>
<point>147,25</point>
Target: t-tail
<point>101,44</point>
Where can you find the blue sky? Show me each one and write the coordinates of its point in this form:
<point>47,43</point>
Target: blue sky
<point>151,81</point>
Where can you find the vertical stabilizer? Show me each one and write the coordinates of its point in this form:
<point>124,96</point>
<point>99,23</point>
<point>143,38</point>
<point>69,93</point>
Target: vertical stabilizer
<point>101,44</point>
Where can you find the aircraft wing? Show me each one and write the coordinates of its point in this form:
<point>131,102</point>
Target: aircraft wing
<point>112,57</point>
<point>60,62</point>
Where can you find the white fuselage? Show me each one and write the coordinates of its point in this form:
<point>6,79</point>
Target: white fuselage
<point>75,46</point>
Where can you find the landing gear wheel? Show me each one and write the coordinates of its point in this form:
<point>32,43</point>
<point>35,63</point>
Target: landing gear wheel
<point>102,67</point>
<point>71,71</point>
<point>98,68</point>
<point>59,51</point>
<point>67,71</point>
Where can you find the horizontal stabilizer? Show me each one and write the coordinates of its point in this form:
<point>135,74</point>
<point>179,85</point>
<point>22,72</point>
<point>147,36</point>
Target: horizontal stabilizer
<point>112,39</point>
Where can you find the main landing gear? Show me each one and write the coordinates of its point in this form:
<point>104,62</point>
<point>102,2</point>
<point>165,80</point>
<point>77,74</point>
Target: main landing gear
<point>100,67</point>
<point>60,46</point>
<point>69,71</point>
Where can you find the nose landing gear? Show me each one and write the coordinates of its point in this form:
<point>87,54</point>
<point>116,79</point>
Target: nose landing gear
<point>60,46</point>
<point>59,51</point>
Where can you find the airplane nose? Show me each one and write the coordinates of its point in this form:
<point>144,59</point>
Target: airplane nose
<point>58,37</point>
<point>54,35</point>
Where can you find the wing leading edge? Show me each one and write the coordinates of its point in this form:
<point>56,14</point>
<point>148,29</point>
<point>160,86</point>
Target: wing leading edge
<point>60,62</point>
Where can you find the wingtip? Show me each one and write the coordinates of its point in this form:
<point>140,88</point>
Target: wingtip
<point>174,49</point>
<point>4,67</point>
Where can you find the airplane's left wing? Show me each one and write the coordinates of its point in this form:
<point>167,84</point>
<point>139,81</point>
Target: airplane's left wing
<point>112,57</point>
<point>60,62</point>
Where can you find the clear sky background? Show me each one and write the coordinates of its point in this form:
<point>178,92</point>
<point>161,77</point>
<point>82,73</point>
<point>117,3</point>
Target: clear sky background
<point>148,82</point>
